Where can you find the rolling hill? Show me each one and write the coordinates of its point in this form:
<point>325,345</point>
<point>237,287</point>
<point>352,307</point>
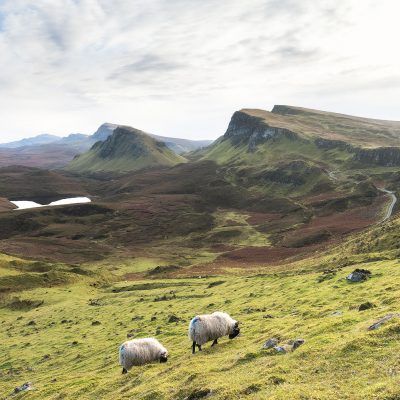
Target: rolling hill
<point>127,149</point>
<point>33,141</point>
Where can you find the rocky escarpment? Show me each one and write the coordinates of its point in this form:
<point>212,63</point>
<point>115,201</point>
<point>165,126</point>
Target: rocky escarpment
<point>244,128</point>
<point>328,144</point>
<point>382,156</point>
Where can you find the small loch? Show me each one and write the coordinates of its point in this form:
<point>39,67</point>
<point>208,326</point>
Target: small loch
<point>23,205</point>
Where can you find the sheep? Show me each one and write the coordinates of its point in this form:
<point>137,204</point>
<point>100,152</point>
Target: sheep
<point>141,351</point>
<point>204,328</point>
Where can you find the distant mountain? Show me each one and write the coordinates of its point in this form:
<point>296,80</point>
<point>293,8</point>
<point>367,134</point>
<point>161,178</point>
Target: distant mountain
<point>181,146</point>
<point>127,149</point>
<point>104,131</point>
<point>177,145</point>
<point>33,141</point>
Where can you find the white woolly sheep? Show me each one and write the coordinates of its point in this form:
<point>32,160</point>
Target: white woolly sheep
<point>141,351</point>
<point>205,328</point>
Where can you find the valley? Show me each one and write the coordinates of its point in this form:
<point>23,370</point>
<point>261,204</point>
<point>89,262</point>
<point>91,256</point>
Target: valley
<point>265,223</point>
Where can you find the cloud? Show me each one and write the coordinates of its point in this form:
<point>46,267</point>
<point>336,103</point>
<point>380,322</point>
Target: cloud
<point>68,65</point>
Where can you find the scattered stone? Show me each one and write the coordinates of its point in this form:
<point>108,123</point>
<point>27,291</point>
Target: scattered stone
<point>283,349</point>
<point>153,318</point>
<point>31,323</point>
<point>137,318</point>
<point>380,322</point>
<point>337,313</point>
<point>270,343</point>
<point>268,316</point>
<point>64,321</point>
<point>74,343</point>
<point>359,275</point>
<point>296,343</point>
<point>95,323</point>
<point>24,388</point>
<point>173,318</point>
<point>94,302</point>
<point>365,306</point>
<point>292,345</point>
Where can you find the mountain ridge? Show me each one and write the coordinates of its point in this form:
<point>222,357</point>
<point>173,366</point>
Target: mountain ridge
<point>127,149</point>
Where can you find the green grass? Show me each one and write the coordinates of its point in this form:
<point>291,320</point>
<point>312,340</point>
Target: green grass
<point>65,356</point>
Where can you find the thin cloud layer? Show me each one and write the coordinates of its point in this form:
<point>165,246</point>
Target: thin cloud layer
<point>181,67</point>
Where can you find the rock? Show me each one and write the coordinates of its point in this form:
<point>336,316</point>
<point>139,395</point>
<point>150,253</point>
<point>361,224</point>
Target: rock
<point>268,316</point>
<point>365,306</point>
<point>31,323</point>
<point>137,318</point>
<point>153,318</point>
<point>296,343</point>
<point>337,313</point>
<point>380,322</point>
<point>359,275</point>
<point>270,343</point>
<point>173,318</point>
<point>283,349</point>
<point>25,387</point>
<point>95,323</point>
<point>292,345</point>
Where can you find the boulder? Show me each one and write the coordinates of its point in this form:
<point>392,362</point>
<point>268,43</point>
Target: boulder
<point>381,321</point>
<point>359,275</point>
<point>23,388</point>
<point>270,343</point>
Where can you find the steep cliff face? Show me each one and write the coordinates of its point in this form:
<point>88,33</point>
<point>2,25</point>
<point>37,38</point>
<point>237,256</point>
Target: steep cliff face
<point>382,156</point>
<point>244,128</point>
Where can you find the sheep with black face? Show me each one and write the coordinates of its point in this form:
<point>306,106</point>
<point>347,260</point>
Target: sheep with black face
<point>204,328</point>
<point>138,352</point>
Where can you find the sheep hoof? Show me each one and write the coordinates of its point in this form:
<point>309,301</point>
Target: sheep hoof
<point>124,371</point>
<point>214,342</point>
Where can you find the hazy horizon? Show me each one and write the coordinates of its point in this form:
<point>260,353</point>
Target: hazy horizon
<point>181,68</point>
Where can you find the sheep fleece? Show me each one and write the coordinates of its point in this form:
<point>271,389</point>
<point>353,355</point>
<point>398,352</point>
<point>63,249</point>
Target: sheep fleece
<point>204,328</point>
<point>140,351</point>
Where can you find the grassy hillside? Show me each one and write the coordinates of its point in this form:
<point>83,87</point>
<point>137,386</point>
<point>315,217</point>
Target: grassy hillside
<point>127,149</point>
<point>65,339</point>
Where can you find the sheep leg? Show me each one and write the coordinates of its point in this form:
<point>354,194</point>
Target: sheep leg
<point>194,347</point>
<point>199,347</point>
<point>214,342</point>
<point>124,371</point>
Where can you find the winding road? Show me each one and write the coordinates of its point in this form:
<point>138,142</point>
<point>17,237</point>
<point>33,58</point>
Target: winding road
<point>389,210</point>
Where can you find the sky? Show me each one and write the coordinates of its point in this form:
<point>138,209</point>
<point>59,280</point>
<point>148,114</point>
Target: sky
<point>182,67</point>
